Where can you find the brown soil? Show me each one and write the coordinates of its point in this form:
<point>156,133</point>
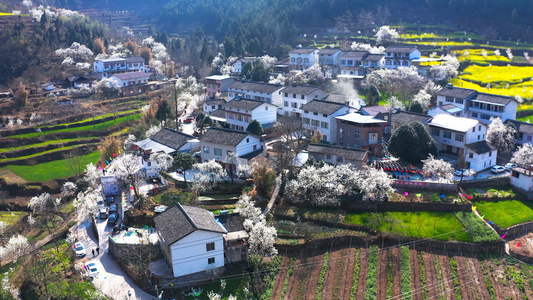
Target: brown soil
<point>361,289</point>
<point>299,277</point>
<point>431,279</point>
<point>526,245</point>
<point>280,278</point>
<point>449,291</point>
<point>480,279</point>
<point>416,281</point>
<point>396,272</point>
<point>348,274</point>
<point>314,276</point>
<point>382,280</point>
<point>334,276</point>
<point>462,274</point>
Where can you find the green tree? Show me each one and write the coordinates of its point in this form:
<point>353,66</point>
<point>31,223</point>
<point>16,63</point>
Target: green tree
<point>183,161</point>
<point>412,142</point>
<point>163,112</point>
<point>259,71</point>
<point>417,108</point>
<point>229,46</point>
<point>246,70</point>
<point>264,178</point>
<point>255,128</point>
<point>203,121</point>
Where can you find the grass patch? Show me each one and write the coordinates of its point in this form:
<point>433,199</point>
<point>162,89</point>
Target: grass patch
<point>528,119</point>
<point>95,127</point>
<point>478,230</point>
<point>40,153</point>
<point>405,264</point>
<point>54,169</point>
<point>95,118</point>
<point>506,213</point>
<point>172,197</point>
<point>44,144</point>
<point>436,225</point>
<point>219,197</point>
<point>11,217</point>
<point>234,286</point>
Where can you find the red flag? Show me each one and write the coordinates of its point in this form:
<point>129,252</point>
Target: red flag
<point>114,154</point>
<point>518,245</point>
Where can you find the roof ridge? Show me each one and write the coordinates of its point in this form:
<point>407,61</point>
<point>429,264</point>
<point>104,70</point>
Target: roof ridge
<point>187,216</point>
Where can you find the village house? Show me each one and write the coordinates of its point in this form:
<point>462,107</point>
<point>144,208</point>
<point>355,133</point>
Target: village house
<point>256,91</point>
<point>448,108</point>
<point>212,104</point>
<point>373,60</point>
<point>294,96</point>
<point>400,56</point>
<point>338,155</point>
<point>131,79</point>
<point>361,132</point>
<point>352,101</point>
<point>463,137</point>
<point>80,81</point>
<point>110,186</point>
<point>375,111</point>
<point>319,117</point>
<point>239,63</point>
<point>328,59</point>
<point>110,66</point>
<point>217,143</point>
<point>240,112</point>
<point>400,117</point>
<point>191,239</point>
<point>522,180</point>
<point>303,58</point>
<point>169,141</point>
<point>524,131</point>
<point>217,84</point>
<point>351,62</point>
<point>475,105</point>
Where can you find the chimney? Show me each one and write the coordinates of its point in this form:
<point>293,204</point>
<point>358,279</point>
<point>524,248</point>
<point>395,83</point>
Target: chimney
<point>449,85</point>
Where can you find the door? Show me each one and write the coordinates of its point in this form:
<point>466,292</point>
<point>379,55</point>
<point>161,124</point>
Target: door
<point>449,149</point>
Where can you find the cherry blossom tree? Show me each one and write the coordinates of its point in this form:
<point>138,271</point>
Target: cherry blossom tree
<point>126,168</point>
<point>3,226</point>
<point>355,46</point>
<point>86,203</point>
<point>92,175</point>
<point>318,186</point>
<point>423,98</point>
<point>403,82</point>
<point>386,35</point>
<point>153,130</point>
<point>375,185</point>
<point>17,246</point>
<point>247,209</point>
<point>311,75</point>
<point>501,136</point>
<point>393,103</point>
<point>68,189</point>
<point>75,51</point>
<point>523,157</point>
<point>44,204</point>
<point>107,86</point>
<point>206,175</point>
<point>446,70</point>
<point>130,140</point>
<point>437,167</point>
<point>164,161</point>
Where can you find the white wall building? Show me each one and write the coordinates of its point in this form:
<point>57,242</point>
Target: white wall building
<point>328,59</point>
<point>462,136</point>
<point>109,66</point>
<point>239,63</point>
<point>240,112</point>
<point>191,240</point>
<point>303,58</point>
<point>319,116</point>
<point>130,79</point>
<point>216,143</point>
<point>400,56</point>
<point>255,91</point>
<point>522,179</point>
<point>294,96</point>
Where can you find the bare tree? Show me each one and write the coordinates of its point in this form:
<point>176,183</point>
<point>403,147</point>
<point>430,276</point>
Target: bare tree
<point>291,131</point>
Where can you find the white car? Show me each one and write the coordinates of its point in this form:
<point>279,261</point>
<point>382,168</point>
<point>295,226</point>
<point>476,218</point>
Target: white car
<point>497,169</point>
<point>79,249</point>
<point>509,166</point>
<point>91,269</point>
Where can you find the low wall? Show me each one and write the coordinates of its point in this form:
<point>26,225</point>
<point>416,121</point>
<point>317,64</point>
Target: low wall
<point>372,206</point>
<point>486,182</point>
<point>424,185</point>
<point>515,231</point>
<point>141,250</point>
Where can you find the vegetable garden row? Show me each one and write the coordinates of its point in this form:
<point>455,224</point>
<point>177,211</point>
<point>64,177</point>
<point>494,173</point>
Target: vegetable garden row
<point>401,273</point>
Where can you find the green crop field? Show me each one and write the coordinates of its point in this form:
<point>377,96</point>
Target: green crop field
<point>40,153</point>
<point>54,169</point>
<point>475,55</point>
<point>437,225</point>
<point>96,118</point>
<point>506,213</point>
<point>11,217</point>
<point>43,144</point>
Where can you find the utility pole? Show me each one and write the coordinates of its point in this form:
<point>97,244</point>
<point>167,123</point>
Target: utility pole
<point>176,93</point>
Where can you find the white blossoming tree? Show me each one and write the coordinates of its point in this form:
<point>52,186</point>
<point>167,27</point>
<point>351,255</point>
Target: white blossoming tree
<point>355,46</point>
<point>446,70</point>
<point>393,103</point>
<point>75,51</point>
<point>402,82</point>
<point>423,98</point>
<point>68,189</point>
<point>375,185</point>
<point>317,186</point>
<point>126,168</point>
<point>86,203</point>
<point>501,136</point>
<point>107,86</point>
<point>153,130</point>
<point>523,157</point>
<point>386,35</point>
<point>92,175</point>
<point>17,246</point>
<point>437,167</point>
<point>206,175</point>
<point>164,161</point>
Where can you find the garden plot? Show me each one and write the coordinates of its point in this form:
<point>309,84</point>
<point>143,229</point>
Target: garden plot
<point>506,213</point>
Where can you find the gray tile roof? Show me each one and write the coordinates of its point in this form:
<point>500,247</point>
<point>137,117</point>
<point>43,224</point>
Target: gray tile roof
<point>400,49</point>
<point>456,92</point>
<point>374,110</point>
<point>523,127</point>
<point>131,75</point>
<point>232,222</point>
<point>328,51</point>
<point>374,57</point>
<point>497,99</point>
<point>354,54</point>
<point>223,136</point>
<point>134,59</point>
<point>254,87</point>
<point>302,50</point>
<point>244,104</point>
<point>181,220</point>
<point>479,147</point>
<point>300,89</point>
<point>346,152</point>
<point>219,113</point>
<point>403,117</point>
<point>322,107</point>
<point>172,138</point>
<point>217,101</point>
<point>448,106</point>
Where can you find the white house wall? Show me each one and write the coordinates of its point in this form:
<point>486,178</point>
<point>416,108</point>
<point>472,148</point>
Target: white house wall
<point>524,182</point>
<point>264,114</point>
<point>480,162</point>
<point>189,255</point>
<point>247,145</point>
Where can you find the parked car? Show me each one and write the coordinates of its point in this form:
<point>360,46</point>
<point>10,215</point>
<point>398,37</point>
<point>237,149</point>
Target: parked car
<point>91,269</point>
<point>113,208</point>
<point>110,200</point>
<point>100,203</point>
<point>79,249</point>
<point>113,219</point>
<point>188,120</point>
<point>509,166</point>
<point>459,172</point>
<point>497,169</point>
<point>104,212</point>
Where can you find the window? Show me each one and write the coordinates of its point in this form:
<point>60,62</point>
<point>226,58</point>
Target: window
<point>255,147</point>
<point>302,97</point>
<point>210,246</point>
<point>217,151</point>
<point>528,138</point>
<point>479,128</point>
<point>306,111</point>
<point>474,129</point>
<point>449,99</point>
<point>447,135</point>
<point>213,107</point>
<point>211,260</point>
<point>474,115</point>
<point>247,140</point>
<point>294,105</point>
<point>328,156</point>
<point>292,59</point>
<point>324,115</point>
<point>470,155</point>
<point>324,125</point>
<point>484,117</point>
<point>315,123</point>
<point>340,159</point>
<point>343,61</point>
<point>266,107</point>
<point>356,135</point>
<point>286,95</point>
<point>294,96</point>
<point>459,137</point>
<point>459,101</point>
<point>315,114</point>
<point>286,104</point>
<point>206,149</point>
<point>435,132</point>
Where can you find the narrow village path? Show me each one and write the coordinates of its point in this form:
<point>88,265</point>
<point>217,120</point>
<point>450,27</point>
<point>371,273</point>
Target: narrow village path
<point>274,196</point>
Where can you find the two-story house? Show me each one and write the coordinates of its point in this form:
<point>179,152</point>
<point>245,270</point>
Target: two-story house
<point>212,104</point>
<point>338,155</point>
<point>294,96</point>
<point>361,132</point>
<point>216,143</point>
<point>240,112</point>
<point>400,56</point>
<point>351,100</point>
<point>110,66</point>
<point>303,58</point>
<point>472,104</point>
<point>239,63</point>
<point>169,141</point>
<point>131,79</point>
<point>256,91</point>
<point>463,137</point>
<point>351,62</point>
<point>191,239</point>
<point>524,131</point>
<point>373,60</point>
<point>319,116</point>
<point>217,84</point>
<point>328,59</point>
